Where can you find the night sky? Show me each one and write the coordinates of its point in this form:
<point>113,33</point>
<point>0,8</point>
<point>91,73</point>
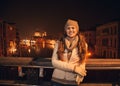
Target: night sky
<point>51,15</point>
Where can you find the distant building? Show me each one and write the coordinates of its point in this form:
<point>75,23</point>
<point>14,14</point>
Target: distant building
<point>9,39</point>
<point>91,40</point>
<point>90,36</point>
<point>108,40</point>
<point>1,38</point>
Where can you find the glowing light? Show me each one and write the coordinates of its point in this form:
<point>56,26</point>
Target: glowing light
<point>12,49</point>
<point>43,44</point>
<point>29,50</point>
<point>89,54</point>
<point>37,34</point>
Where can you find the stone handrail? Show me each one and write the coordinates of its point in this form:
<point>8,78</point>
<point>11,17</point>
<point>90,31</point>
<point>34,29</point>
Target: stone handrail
<point>46,62</point>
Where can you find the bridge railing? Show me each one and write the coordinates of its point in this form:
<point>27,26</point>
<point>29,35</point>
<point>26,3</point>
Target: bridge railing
<point>99,71</point>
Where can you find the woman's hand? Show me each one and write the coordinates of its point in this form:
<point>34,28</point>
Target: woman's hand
<point>80,70</point>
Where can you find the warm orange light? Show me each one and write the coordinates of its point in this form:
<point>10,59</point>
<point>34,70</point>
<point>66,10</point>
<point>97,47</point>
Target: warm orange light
<point>37,34</point>
<point>89,54</point>
<point>29,50</point>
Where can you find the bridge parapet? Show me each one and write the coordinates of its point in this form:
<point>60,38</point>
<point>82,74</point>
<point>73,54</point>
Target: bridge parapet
<point>46,62</point>
<point>101,72</point>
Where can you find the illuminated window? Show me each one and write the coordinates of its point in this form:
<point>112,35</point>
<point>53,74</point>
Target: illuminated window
<point>11,43</point>
<point>37,34</point>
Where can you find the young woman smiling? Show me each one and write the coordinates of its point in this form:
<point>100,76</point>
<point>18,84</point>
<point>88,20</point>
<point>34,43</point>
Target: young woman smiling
<point>69,56</point>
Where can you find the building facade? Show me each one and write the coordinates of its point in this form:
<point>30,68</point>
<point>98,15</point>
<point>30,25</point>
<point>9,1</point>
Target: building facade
<point>8,39</point>
<point>90,36</point>
<point>1,38</point>
<point>108,40</point>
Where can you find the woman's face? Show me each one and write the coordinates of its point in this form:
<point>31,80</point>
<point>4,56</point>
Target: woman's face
<point>71,31</point>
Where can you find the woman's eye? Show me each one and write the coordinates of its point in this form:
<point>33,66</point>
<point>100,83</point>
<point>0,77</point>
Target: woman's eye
<point>73,28</point>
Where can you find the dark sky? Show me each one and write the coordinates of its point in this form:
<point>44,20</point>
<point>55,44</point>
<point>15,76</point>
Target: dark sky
<point>51,15</point>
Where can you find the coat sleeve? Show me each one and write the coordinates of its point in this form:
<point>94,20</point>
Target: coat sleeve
<point>60,64</point>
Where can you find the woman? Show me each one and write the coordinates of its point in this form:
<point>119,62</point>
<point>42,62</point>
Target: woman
<point>68,57</point>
